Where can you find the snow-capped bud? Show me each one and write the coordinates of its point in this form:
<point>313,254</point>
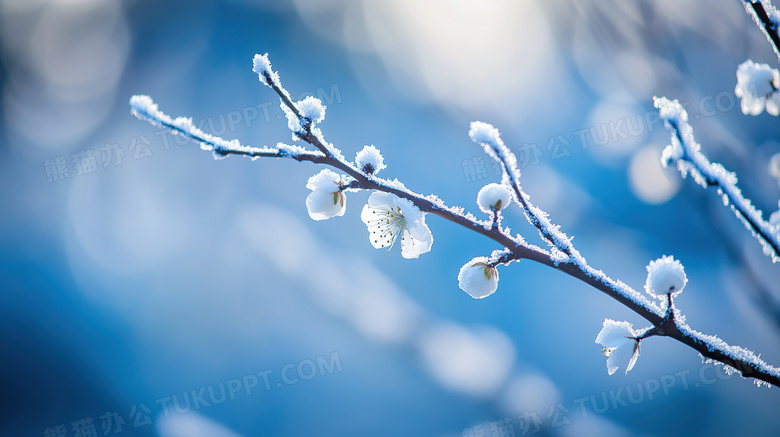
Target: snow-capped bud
<point>620,345</point>
<point>478,278</point>
<point>665,276</point>
<point>483,133</point>
<point>262,66</point>
<point>757,86</point>
<point>326,199</point>
<point>369,160</point>
<point>493,197</point>
<point>311,108</point>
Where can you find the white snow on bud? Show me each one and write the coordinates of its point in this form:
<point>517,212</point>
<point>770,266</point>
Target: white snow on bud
<point>481,132</point>
<point>493,197</point>
<point>312,109</point>
<point>262,66</point>
<point>757,86</point>
<point>477,278</point>
<point>620,346</point>
<point>326,199</point>
<point>670,109</point>
<point>388,216</point>
<point>369,160</point>
<point>665,276</point>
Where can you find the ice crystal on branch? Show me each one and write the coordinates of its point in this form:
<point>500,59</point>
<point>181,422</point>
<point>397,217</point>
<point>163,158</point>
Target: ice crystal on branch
<point>262,66</point>
<point>767,18</point>
<point>620,345</point>
<point>478,278</point>
<point>686,153</point>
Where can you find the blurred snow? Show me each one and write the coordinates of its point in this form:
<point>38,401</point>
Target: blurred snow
<point>649,180</point>
<point>475,362</point>
<point>345,285</point>
<point>191,425</point>
<point>531,392</point>
<point>453,53</point>
<point>67,58</point>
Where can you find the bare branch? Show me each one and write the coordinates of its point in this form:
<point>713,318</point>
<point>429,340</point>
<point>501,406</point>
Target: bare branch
<point>562,256</point>
<point>686,153</point>
<point>761,10</point>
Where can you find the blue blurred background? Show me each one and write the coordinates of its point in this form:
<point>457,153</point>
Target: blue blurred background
<point>141,280</point>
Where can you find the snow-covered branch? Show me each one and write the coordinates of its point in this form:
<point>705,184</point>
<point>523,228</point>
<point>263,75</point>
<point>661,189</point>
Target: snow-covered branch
<point>686,153</point>
<point>767,18</point>
<point>394,213</point>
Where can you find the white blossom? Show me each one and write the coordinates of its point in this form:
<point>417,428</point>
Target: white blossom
<point>493,197</point>
<point>665,276</point>
<point>757,85</point>
<point>388,217</point>
<point>478,278</point>
<point>620,345</point>
<point>369,160</point>
<point>326,199</point>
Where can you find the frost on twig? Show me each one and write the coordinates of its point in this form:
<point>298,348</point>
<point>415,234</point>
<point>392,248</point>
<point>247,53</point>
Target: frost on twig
<point>489,138</point>
<point>686,153</point>
<point>767,18</point>
<point>395,212</point>
<point>144,108</point>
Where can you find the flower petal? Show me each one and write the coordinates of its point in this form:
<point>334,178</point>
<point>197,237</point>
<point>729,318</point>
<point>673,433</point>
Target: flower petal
<point>381,200</point>
<point>634,357</point>
<point>614,334</point>
<point>323,205</point>
<point>408,209</point>
<point>412,247</point>
<point>624,355</point>
<point>380,232</point>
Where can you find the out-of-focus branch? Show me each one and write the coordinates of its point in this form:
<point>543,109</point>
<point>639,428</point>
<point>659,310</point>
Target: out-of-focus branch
<point>686,153</point>
<point>767,18</point>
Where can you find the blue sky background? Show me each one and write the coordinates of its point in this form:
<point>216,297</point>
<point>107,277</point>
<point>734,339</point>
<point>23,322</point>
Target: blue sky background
<point>170,272</point>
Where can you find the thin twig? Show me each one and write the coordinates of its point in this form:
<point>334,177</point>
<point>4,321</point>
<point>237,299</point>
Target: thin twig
<point>572,263</point>
<point>711,175</point>
<point>767,24</point>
